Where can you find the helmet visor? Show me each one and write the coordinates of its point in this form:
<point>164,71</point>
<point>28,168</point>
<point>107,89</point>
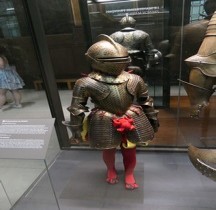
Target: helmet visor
<point>126,59</point>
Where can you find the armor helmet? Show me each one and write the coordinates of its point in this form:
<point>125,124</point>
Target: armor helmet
<point>107,56</point>
<point>128,21</point>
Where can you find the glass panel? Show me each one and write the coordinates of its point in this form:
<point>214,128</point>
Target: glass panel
<point>65,38</point>
<point>163,22</point>
<point>152,18</point>
<point>156,19</point>
<point>22,190</point>
<point>193,35</point>
<point>159,19</point>
<point>17,46</point>
<point>4,199</point>
<point>27,102</point>
<point>27,171</point>
<point>66,43</point>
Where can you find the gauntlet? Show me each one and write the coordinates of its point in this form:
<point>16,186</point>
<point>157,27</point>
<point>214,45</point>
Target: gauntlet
<point>146,102</point>
<point>153,119</point>
<point>75,128</point>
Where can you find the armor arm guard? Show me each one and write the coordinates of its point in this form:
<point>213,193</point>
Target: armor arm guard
<point>147,43</point>
<point>77,109</point>
<point>154,57</point>
<point>147,104</point>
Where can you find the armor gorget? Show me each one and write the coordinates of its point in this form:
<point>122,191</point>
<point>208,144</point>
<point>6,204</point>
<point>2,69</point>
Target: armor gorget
<point>123,77</point>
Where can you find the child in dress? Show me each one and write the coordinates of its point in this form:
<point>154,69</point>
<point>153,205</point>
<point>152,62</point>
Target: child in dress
<point>9,81</point>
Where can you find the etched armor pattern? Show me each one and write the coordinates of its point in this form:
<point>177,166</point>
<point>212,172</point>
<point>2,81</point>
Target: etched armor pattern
<point>102,134</point>
<point>108,56</point>
<point>143,126</point>
<point>113,97</point>
<point>112,100</point>
<point>118,100</point>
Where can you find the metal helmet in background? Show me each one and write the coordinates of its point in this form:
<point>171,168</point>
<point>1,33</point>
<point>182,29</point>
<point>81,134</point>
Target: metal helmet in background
<point>107,56</point>
<point>128,21</point>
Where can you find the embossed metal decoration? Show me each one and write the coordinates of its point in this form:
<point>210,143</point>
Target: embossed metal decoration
<point>203,71</point>
<point>112,91</point>
<point>204,160</point>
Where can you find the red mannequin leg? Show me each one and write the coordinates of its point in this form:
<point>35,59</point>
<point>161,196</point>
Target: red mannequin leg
<point>129,160</point>
<point>109,160</point>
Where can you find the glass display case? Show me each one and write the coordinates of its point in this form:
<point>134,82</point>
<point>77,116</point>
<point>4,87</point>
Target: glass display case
<point>47,42</point>
<point>172,32</point>
<point>50,51</point>
<point>152,17</point>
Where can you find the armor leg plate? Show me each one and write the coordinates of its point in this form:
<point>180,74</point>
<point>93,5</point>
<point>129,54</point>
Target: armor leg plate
<point>198,96</point>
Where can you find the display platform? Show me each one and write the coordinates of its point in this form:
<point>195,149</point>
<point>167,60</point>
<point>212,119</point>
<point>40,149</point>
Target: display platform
<point>167,181</point>
<point>24,147</point>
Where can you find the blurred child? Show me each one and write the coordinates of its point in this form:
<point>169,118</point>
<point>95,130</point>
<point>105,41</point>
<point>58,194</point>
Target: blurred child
<point>10,81</point>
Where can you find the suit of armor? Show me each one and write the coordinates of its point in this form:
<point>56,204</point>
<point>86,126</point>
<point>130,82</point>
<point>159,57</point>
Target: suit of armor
<point>115,119</point>
<point>134,40</point>
<point>202,76</point>
<point>138,44</point>
<point>113,98</point>
<point>200,87</point>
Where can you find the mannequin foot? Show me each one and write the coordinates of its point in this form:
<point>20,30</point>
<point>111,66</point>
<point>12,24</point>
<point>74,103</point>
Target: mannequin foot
<point>112,177</point>
<point>131,186</point>
<point>130,183</point>
<point>112,180</point>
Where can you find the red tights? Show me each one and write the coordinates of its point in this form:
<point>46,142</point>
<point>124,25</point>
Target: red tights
<point>109,160</point>
<point>129,161</point>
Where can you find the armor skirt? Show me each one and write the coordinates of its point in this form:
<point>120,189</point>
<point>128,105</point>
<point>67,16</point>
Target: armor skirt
<point>103,135</point>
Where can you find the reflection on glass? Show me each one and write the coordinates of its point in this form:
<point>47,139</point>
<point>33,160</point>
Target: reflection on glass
<point>152,18</point>
<point>66,43</point>
<point>162,22</point>
<point>8,20</point>
<point>17,46</point>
